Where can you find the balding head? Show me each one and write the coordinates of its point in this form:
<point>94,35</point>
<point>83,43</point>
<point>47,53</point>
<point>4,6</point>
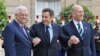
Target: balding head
<point>77,12</point>
<point>76,7</point>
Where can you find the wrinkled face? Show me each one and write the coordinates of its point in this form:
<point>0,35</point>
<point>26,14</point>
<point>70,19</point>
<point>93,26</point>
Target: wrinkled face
<point>78,13</point>
<point>46,18</point>
<point>22,17</point>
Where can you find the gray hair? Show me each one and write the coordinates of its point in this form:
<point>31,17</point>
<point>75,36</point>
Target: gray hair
<point>20,8</point>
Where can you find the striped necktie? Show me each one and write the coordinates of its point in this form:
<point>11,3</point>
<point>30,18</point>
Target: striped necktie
<point>80,29</point>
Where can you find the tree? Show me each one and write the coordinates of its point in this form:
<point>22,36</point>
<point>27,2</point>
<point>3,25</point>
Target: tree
<point>3,16</point>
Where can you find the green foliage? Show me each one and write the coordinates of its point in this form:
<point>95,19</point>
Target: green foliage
<point>3,15</point>
<point>66,13</point>
<point>88,15</point>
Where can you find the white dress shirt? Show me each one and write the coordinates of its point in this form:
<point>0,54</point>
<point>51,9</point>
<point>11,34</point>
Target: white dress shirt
<point>81,25</point>
<point>50,31</point>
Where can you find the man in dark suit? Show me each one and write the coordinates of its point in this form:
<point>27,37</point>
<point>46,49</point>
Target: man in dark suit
<point>97,38</point>
<point>46,34</point>
<point>81,42</point>
<point>16,38</point>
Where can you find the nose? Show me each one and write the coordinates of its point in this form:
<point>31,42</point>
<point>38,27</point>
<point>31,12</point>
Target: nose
<point>24,17</point>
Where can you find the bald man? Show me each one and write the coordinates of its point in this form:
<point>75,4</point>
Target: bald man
<point>81,40</point>
<point>16,38</point>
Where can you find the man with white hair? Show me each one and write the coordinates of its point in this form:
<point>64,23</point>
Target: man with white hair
<point>16,38</point>
<point>81,39</point>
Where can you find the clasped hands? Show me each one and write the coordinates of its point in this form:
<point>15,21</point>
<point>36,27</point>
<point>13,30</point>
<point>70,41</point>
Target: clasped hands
<point>73,40</point>
<point>36,41</point>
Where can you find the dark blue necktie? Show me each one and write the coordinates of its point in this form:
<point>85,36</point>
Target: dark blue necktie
<point>47,33</point>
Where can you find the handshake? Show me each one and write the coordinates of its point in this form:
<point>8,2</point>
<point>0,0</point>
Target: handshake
<point>73,40</point>
<point>36,41</point>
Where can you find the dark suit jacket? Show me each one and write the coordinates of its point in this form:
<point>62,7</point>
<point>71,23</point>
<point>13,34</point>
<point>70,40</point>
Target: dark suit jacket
<point>86,46</point>
<point>45,48</point>
<point>15,41</point>
<point>97,41</point>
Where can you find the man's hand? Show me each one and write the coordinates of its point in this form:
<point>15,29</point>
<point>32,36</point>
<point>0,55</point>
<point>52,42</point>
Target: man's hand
<point>96,37</point>
<point>36,41</point>
<point>73,40</point>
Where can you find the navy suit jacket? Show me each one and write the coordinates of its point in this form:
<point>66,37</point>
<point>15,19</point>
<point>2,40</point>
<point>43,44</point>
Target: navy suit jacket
<point>45,48</point>
<point>86,46</point>
<point>15,41</point>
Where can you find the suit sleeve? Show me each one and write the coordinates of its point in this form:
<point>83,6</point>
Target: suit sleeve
<point>63,39</point>
<point>32,31</point>
<point>92,43</point>
<point>9,41</point>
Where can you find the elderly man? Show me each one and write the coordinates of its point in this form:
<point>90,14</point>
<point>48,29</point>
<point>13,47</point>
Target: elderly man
<point>81,41</point>
<point>16,38</point>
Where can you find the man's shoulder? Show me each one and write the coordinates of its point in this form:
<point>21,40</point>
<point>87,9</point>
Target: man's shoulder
<point>67,25</point>
<point>37,25</point>
<point>56,25</point>
<point>11,24</point>
<point>87,23</point>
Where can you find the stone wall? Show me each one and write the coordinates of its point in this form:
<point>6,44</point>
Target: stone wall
<point>93,5</point>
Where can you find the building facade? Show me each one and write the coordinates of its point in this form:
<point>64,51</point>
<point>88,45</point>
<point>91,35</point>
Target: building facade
<point>35,6</point>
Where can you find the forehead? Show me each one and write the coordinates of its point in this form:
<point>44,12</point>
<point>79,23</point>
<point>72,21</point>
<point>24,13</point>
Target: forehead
<point>22,12</point>
<point>45,13</point>
<point>78,9</point>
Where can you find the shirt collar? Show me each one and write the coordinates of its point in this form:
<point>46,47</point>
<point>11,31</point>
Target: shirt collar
<point>50,26</point>
<point>18,23</point>
<point>76,22</point>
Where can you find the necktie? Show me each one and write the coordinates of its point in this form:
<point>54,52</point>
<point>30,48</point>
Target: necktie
<point>80,29</point>
<point>47,33</point>
<point>24,31</point>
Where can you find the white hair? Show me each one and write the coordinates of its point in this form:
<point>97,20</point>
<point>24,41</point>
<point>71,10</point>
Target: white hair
<point>20,8</point>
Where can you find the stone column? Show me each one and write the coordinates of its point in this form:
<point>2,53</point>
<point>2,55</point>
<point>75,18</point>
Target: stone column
<point>32,11</point>
<point>65,3</point>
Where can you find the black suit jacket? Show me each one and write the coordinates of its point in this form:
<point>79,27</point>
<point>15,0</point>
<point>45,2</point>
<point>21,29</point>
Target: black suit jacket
<point>97,41</point>
<point>45,48</point>
<point>86,46</point>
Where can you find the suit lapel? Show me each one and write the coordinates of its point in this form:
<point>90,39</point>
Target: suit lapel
<point>20,30</point>
<point>42,30</point>
<point>74,30</point>
<point>85,30</point>
<point>54,31</point>
<point>28,36</point>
